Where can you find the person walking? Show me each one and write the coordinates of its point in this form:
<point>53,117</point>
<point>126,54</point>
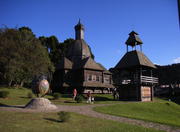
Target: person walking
<point>115,94</point>
<point>92,100</point>
<point>74,94</point>
<point>89,97</point>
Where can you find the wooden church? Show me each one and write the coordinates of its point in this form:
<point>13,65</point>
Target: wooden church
<point>79,70</point>
<point>133,75</point>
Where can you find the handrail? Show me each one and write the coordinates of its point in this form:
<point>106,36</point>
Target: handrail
<point>148,79</point>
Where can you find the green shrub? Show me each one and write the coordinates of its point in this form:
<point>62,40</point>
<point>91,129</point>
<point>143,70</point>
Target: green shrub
<point>30,95</point>
<point>64,116</point>
<point>79,98</point>
<point>67,95</point>
<point>4,94</point>
<point>56,95</point>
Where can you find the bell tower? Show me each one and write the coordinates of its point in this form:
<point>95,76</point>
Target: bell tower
<point>134,75</point>
<point>134,40</point>
<point>79,31</point>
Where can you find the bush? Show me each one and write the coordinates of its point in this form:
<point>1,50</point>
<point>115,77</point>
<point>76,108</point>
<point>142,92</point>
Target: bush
<point>56,95</point>
<point>64,116</point>
<point>29,95</point>
<point>79,98</point>
<point>4,94</point>
<point>67,95</point>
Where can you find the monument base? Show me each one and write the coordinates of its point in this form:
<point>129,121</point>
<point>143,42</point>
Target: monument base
<point>40,104</point>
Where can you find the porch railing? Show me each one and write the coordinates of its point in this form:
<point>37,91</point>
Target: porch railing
<point>147,79</point>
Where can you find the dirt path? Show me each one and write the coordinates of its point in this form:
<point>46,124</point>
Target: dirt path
<point>88,111</point>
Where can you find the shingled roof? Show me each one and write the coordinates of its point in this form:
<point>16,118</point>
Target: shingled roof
<point>89,63</point>
<point>64,64</point>
<point>134,58</point>
<point>133,39</point>
<point>105,70</point>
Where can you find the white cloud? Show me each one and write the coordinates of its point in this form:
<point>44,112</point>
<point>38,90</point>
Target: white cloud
<point>177,60</point>
<point>156,63</point>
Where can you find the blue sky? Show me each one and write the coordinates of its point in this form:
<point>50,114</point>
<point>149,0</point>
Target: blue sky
<point>107,24</point>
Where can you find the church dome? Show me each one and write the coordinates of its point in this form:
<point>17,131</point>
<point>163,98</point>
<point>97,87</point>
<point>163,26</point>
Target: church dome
<point>79,49</point>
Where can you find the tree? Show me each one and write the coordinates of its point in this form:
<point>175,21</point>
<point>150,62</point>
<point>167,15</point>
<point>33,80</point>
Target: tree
<point>22,56</point>
<point>52,45</point>
<point>169,74</point>
<point>65,45</point>
<point>8,54</point>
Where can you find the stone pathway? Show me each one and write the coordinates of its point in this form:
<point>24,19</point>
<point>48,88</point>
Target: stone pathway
<point>88,111</point>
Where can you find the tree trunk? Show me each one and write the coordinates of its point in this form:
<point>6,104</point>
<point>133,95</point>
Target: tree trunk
<point>22,83</point>
<point>10,83</point>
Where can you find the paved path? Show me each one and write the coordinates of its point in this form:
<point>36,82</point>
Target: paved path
<point>88,111</point>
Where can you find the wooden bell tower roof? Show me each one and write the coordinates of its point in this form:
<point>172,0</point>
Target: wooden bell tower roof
<point>134,59</point>
<point>133,39</point>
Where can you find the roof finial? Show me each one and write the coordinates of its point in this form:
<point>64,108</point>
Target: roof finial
<point>79,21</point>
<point>79,30</point>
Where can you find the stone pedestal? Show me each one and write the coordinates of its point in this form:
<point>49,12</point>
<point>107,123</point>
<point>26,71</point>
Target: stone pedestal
<point>40,104</point>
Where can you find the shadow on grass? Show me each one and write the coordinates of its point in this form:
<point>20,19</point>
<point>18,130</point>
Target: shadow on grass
<point>69,102</point>
<point>12,106</point>
<point>175,99</point>
<point>66,95</point>
<point>25,97</point>
<point>53,120</point>
<point>98,98</point>
<point>51,99</point>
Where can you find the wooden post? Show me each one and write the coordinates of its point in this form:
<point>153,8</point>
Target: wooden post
<point>140,93</point>
<point>140,74</point>
<point>140,89</point>
<point>152,92</point>
<point>151,72</point>
<point>84,75</point>
<point>102,77</point>
<point>137,91</point>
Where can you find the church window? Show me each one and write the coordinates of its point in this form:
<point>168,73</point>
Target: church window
<point>106,80</point>
<point>89,77</point>
<point>98,78</point>
<point>94,77</point>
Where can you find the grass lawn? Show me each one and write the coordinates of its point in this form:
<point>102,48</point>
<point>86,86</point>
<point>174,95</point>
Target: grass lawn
<point>160,111</point>
<point>104,99</point>
<point>18,96</point>
<point>48,122</point>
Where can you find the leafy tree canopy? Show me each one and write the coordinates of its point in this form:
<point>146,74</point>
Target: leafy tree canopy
<point>22,56</point>
<point>57,49</point>
<point>169,74</point>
